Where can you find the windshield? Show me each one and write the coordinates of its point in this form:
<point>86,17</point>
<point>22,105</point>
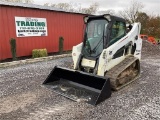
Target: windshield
<point>94,37</point>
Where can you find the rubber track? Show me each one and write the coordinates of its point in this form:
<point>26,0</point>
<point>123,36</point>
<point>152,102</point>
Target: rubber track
<point>115,71</point>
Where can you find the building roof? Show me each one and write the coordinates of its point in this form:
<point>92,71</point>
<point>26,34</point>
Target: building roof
<point>34,6</point>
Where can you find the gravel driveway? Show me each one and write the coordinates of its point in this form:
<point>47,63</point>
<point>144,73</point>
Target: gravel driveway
<point>22,96</point>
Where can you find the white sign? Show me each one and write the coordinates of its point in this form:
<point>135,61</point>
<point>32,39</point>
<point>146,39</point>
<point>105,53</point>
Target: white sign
<point>29,26</point>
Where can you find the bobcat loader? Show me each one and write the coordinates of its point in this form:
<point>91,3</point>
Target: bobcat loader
<point>108,58</point>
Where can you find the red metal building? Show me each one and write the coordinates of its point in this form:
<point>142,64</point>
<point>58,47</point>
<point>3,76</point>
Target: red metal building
<point>59,23</point>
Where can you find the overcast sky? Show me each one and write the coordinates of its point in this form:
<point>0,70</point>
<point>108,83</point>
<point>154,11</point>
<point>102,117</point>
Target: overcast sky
<point>150,6</point>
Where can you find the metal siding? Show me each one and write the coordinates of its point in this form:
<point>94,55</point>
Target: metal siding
<point>67,25</point>
<point>1,54</point>
<point>5,34</point>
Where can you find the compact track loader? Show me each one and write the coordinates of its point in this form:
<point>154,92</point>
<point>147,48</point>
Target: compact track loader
<point>108,58</point>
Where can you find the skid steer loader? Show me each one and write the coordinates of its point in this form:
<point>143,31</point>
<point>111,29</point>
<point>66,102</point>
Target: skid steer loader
<point>108,58</point>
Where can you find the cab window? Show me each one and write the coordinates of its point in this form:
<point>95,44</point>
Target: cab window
<point>118,31</point>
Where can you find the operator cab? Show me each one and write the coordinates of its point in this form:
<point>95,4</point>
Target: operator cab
<point>100,33</point>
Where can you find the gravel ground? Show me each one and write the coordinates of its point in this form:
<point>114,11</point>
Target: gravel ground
<point>22,96</point>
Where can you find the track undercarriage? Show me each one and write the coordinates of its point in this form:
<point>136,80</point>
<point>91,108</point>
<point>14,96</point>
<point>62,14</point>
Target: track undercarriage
<point>124,73</point>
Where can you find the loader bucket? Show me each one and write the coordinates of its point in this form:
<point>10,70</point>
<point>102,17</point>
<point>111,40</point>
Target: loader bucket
<point>78,86</point>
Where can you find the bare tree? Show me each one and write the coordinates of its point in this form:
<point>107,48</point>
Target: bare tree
<point>63,6</point>
<point>46,4</point>
<point>131,13</point>
<point>28,1</point>
<point>92,9</point>
<point>109,11</point>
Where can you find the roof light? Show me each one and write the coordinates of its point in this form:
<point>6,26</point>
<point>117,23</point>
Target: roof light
<point>86,19</point>
<point>108,17</point>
